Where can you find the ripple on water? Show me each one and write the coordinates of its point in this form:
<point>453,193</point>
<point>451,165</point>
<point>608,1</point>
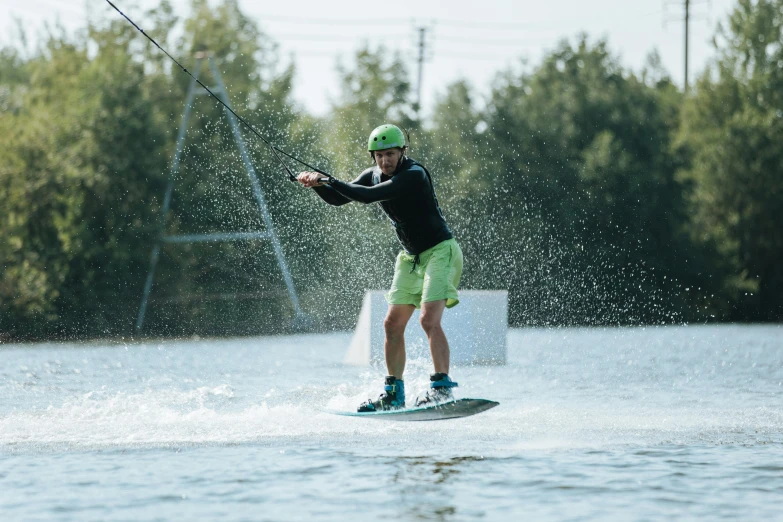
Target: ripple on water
<point>594,424</point>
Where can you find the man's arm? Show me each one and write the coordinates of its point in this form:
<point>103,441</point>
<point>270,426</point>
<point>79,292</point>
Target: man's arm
<point>330,195</point>
<point>333,197</point>
<point>401,183</point>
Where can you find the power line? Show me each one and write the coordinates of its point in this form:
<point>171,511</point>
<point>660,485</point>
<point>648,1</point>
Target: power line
<point>59,11</point>
<point>448,22</point>
<point>492,41</point>
<point>334,21</point>
<point>328,37</point>
<point>473,56</point>
<point>53,5</point>
<point>295,37</point>
<point>515,26</point>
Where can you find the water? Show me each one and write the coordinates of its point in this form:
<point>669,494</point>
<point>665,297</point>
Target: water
<point>594,424</point>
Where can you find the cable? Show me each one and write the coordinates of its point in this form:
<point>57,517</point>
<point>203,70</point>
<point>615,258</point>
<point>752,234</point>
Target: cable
<point>273,148</point>
<point>470,41</point>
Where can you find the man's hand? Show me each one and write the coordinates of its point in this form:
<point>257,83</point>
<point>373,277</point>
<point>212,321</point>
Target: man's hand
<point>310,179</point>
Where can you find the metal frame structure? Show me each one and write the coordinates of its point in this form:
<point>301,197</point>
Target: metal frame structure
<point>300,318</point>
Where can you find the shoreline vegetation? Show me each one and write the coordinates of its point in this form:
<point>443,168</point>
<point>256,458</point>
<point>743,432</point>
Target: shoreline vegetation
<point>594,194</point>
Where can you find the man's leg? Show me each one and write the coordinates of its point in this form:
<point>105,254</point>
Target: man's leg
<point>431,315</point>
<point>394,346</point>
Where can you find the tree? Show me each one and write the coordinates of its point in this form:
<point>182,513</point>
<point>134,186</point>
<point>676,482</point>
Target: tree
<point>456,151</point>
<point>586,193</point>
<point>82,181</point>
<point>81,121</point>
<point>733,129</point>
<point>228,287</point>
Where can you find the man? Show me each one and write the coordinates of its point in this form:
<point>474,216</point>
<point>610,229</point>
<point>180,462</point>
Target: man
<point>427,271</point>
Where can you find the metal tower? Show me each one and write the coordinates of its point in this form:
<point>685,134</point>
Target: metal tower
<point>301,320</point>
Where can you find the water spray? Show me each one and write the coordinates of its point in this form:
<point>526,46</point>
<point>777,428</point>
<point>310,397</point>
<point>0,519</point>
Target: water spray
<point>275,150</point>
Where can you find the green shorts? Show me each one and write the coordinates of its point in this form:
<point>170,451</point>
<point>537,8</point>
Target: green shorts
<point>434,278</point>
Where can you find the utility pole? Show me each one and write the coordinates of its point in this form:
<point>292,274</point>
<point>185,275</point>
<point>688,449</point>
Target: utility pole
<point>687,4</point>
<point>687,22</point>
<point>422,45</point>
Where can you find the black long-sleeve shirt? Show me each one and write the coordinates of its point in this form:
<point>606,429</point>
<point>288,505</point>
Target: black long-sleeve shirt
<point>407,197</point>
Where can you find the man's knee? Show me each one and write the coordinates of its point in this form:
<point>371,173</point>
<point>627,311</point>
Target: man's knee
<point>429,322</point>
<point>394,325</point>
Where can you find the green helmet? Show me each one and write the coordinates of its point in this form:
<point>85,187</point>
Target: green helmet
<point>386,137</point>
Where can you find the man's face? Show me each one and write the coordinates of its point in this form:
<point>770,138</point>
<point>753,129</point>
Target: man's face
<point>388,159</point>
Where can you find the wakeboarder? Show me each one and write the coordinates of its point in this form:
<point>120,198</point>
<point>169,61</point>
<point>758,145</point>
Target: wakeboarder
<point>428,269</point>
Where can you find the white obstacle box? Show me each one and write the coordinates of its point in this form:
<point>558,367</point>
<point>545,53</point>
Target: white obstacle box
<point>476,330</point>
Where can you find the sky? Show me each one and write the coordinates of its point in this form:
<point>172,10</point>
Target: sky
<point>464,39</point>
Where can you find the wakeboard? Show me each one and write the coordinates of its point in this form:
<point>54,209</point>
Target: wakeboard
<point>445,410</point>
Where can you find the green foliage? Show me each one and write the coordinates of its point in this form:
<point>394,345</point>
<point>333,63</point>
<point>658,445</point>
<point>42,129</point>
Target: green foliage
<point>69,215</point>
<point>733,128</point>
<point>375,92</point>
<point>213,289</point>
<point>583,148</point>
<point>567,186</point>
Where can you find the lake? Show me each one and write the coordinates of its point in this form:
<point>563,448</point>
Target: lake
<point>593,424</point>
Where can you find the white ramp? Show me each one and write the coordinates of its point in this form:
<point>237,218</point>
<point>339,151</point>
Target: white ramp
<point>476,330</point>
